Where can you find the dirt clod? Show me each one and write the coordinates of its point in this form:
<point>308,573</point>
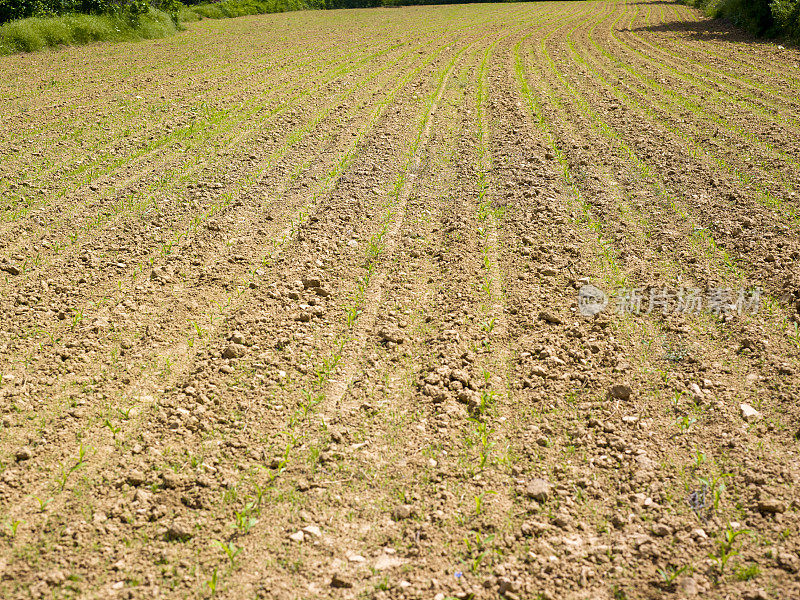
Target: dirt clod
<point>538,489</point>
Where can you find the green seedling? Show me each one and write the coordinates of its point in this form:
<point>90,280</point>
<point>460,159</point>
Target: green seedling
<point>478,549</point>
<point>479,500</point>
<point>685,423</point>
<point>230,549</point>
<point>488,327</point>
<point>43,503</point>
<point>487,400</point>
<point>198,330</point>
<point>699,459</point>
<point>212,583</point>
<point>717,486</point>
<point>13,526</point>
<point>77,317</point>
<point>749,572</point>
<point>115,429</point>
<point>245,520</point>
<point>725,550</point>
<point>670,574</point>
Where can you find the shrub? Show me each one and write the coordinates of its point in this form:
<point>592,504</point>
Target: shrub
<point>238,8</point>
<point>28,35</point>
<point>761,17</point>
<point>133,9</point>
<point>787,17</point>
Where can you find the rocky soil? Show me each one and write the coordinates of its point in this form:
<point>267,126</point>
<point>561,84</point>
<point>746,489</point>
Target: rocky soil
<point>293,306</point>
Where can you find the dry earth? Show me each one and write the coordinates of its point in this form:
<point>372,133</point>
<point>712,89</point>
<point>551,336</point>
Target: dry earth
<point>289,309</point>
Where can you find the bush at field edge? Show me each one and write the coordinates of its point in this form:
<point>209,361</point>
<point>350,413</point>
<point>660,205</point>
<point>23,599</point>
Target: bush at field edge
<point>761,17</point>
<point>36,33</point>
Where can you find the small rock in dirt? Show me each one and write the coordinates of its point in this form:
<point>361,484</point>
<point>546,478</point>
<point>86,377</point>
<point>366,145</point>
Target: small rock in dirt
<point>404,511</point>
<point>460,376</point>
<point>356,558</point>
<point>390,334</point>
<point>312,530</point>
<point>179,532</point>
<point>549,317</point>
<point>135,478</point>
<point>547,271</point>
<point>561,520</point>
<point>234,351</point>
<point>788,561</point>
<point>10,269</point>
<point>312,282</point>
<point>238,338</point>
<point>661,530</point>
<point>387,561</point>
<point>620,391</point>
<point>171,480</point>
<point>644,463</point>
<point>338,581</point>
<point>785,369</point>
<point>297,536</point>
<point>55,578</point>
<point>688,586</point>
<point>538,489</point>
<point>540,371</point>
<point>24,453</point>
<point>771,506</point>
<point>749,414</point>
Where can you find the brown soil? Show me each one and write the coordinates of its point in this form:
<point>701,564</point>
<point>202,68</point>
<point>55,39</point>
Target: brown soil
<point>289,308</point>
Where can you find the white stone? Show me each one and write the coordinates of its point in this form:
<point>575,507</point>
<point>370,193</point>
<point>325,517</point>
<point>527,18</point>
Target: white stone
<point>749,413</point>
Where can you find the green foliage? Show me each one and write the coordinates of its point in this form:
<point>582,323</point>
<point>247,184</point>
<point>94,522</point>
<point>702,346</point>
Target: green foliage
<point>787,17</point>
<point>239,8</point>
<point>725,550</point>
<point>761,17</point>
<point>36,33</point>
<point>749,572</point>
<point>21,9</point>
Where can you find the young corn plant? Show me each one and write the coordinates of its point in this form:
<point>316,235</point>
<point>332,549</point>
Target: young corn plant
<point>213,582</point>
<point>670,574</point>
<point>479,501</point>
<point>724,548</point>
<point>231,550</point>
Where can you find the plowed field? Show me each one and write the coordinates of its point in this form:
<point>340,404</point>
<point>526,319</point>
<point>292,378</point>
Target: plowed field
<point>295,306</point>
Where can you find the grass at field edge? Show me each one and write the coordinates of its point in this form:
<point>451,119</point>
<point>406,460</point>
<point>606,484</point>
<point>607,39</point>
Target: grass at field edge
<point>37,33</point>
